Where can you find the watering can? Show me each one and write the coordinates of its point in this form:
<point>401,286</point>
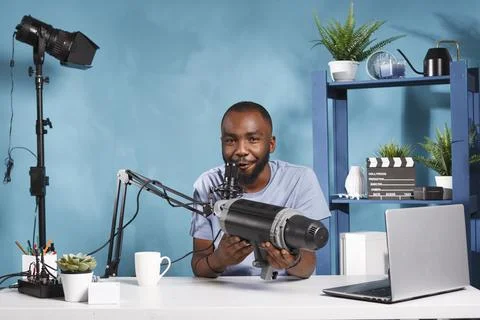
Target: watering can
<point>436,61</point>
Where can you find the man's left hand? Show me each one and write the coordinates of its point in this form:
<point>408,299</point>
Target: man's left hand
<point>278,258</point>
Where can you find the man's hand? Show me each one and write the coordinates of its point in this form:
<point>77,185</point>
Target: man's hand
<point>301,265</point>
<point>231,250</point>
<point>278,258</point>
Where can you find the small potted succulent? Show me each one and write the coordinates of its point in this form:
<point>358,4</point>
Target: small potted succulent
<point>391,173</point>
<point>349,45</point>
<point>77,272</point>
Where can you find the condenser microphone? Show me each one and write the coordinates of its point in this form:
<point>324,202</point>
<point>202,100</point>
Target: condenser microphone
<point>230,188</point>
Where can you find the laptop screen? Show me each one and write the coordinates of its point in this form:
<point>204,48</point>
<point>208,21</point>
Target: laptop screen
<point>427,250</point>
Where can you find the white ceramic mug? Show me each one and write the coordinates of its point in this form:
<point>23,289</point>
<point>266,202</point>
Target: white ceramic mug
<point>148,266</point>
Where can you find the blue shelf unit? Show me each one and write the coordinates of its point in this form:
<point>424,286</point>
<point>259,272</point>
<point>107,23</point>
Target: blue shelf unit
<point>335,200</point>
<point>464,110</point>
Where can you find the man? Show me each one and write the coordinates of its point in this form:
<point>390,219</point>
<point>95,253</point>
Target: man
<point>247,139</point>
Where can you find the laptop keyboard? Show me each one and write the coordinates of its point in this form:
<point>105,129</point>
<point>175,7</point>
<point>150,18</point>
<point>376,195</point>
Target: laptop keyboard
<point>377,292</point>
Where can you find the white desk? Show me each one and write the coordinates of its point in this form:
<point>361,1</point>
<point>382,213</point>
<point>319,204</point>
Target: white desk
<point>246,298</point>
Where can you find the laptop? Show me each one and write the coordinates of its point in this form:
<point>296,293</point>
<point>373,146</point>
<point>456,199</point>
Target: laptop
<point>427,255</point>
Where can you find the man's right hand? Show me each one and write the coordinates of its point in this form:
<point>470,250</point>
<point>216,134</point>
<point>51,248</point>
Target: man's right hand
<point>231,250</point>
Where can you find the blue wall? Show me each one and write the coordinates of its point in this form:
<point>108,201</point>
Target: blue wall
<point>163,76</point>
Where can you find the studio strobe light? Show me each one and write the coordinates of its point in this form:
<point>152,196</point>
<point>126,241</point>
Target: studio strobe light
<point>73,49</point>
<point>259,222</point>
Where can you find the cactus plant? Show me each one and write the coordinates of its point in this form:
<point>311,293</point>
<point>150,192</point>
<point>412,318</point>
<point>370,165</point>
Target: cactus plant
<point>76,263</point>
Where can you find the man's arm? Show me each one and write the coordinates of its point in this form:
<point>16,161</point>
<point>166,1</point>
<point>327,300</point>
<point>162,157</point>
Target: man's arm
<point>210,263</point>
<point>202,249</point>
<point>305,266</point>
<point>301,265</point>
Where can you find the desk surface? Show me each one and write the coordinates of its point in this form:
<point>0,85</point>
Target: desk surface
<point>246,298</point>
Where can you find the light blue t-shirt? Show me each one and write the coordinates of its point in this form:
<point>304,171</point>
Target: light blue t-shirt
<point>290,185</point>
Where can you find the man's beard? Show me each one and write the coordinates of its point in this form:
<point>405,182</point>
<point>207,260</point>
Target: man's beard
<point>248,179</point>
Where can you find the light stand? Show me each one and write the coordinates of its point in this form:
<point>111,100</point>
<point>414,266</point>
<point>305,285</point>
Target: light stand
<point>38,178</point>
<point>72,49</point>
<point>125,178</point>
<point>41,286</point>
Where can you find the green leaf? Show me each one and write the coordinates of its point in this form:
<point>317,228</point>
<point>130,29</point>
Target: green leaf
<point>345,42</point>
<point>391,150</point>
<point>440,152</point>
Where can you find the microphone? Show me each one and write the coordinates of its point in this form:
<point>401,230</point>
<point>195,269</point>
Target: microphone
<point>259,222</point>
<point>230,188</point>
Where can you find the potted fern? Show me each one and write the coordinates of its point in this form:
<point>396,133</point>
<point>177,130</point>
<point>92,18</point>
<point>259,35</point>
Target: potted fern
<point>77,272</point>
<point>391,173</point>
<point>349,45</point>
<point>440,157</point>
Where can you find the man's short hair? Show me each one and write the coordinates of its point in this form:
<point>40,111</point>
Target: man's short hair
<point>244,106</point>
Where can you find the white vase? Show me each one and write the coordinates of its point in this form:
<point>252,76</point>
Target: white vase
<point>343,70</point>
<point>355,183</point>
<point>75,286</point>
<point>446,183</point>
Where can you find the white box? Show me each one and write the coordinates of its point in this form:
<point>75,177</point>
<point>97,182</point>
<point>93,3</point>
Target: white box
<point>29,263</point>
<point>363,253</point>
<point>104,292</point>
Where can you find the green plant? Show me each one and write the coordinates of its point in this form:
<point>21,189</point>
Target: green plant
<point>440,151</point>
<point>76,263</point>
<point>392,149</point>
<point>345,42</point>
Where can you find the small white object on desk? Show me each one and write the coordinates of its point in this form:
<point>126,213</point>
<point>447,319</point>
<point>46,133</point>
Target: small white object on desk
<point>104,292</point>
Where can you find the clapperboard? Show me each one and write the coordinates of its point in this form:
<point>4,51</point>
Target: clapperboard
<point>390,178</point>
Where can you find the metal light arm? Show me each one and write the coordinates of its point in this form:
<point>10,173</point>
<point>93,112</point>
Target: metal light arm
<point>125,178</point>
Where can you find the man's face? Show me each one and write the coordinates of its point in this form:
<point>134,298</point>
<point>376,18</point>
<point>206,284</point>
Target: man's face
<point>247,140</point>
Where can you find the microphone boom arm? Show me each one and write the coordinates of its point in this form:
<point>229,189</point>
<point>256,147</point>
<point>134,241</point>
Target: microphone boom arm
<point>125,178</point>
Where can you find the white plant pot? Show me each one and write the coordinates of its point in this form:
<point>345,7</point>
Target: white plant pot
<point>446,183</point>
<point>75,286</point>
<point>343,70</point>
